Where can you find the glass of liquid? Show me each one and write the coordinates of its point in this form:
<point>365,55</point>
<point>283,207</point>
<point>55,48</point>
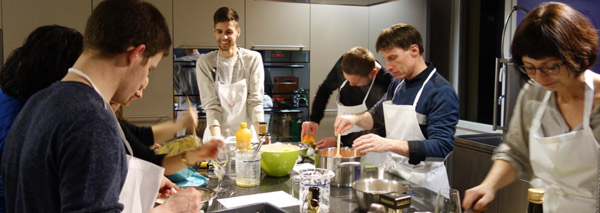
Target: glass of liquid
<point>247,168</point>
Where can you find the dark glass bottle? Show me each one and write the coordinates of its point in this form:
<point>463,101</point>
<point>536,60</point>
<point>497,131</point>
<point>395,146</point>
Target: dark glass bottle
<point>536,200</point>
<point>313,199</point>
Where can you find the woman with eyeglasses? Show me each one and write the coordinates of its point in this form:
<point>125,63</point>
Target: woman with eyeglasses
<point>553,135</point>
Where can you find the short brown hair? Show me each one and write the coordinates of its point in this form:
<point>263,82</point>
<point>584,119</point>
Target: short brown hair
<point>358,61</point>
<point>401,36</point>
<point>556,30</point>
<point>226,14</point>
<point>116,25</point>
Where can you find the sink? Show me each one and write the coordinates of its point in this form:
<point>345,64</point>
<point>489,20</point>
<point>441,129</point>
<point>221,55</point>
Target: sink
<point>492,139</point>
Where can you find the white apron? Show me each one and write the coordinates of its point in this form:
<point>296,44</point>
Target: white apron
<point>232,98</point>
<point>566,165</point>
<point>143,179</point>
<point>345,110</point>
<point>430,173</point>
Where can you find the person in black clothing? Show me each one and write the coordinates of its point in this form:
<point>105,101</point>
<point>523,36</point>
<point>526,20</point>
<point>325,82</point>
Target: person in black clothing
<point>145,138</point>
<point>361,81</point>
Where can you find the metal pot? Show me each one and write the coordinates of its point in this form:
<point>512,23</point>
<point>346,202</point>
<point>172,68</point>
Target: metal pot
<point>346,168</point>
<point>367,191</point>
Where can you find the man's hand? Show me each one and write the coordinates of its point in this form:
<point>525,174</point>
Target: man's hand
<point>166,188</point>
<point>187,200</point>
<point>344,123</point>
<point>327,142</point>
<point>372,143</point>
<point>309,128</point>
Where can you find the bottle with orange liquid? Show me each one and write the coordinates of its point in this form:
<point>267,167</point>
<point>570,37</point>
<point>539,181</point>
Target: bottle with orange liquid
<point>243,136</point>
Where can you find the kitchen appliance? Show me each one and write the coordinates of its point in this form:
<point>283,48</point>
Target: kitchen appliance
<point>346,168</point>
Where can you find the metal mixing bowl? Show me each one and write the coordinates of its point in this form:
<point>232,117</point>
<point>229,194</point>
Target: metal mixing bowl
<point>367,191</point>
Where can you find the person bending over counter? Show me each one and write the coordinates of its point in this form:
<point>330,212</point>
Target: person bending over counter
<point>419,113</point>
<point>361,81</point>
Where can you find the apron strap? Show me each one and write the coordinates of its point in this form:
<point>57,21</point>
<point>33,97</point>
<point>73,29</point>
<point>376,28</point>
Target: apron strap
<point>366,95</point>
<point>106,107</point>
<point>423,86</point>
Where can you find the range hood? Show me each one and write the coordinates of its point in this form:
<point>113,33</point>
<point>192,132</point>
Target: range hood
<point>337,2</point>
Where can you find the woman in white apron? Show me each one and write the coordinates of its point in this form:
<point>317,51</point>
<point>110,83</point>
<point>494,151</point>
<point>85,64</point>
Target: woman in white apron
<point>232,97</point>
<point>553,134</point>
<point>429,174</point>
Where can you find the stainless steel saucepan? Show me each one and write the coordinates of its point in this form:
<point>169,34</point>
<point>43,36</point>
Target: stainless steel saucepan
<point>346,168</point>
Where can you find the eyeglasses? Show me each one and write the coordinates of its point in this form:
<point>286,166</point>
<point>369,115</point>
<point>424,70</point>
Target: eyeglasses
<point>547,70</point>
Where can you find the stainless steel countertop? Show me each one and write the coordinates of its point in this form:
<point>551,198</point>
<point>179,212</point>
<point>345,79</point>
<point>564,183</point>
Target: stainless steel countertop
<point>341,199</point>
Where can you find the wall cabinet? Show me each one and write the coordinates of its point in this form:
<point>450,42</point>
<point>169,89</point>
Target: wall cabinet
<point>193,22</point>
<point>157,103</point>
<point>277,25</point>
<point>21,17</point>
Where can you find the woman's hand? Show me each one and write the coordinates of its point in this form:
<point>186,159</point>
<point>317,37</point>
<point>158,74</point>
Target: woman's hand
<point>477,198</point>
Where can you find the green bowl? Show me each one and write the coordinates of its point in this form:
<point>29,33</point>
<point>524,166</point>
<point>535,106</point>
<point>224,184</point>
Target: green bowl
<point>278,160</point>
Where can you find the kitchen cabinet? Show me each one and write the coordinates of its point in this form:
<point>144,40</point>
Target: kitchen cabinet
<point>413,12</point>
<point>334,30</point>
<point>21,17</point>
<point>157,104</point>
<point>193,22</point>
<point>277,25</point>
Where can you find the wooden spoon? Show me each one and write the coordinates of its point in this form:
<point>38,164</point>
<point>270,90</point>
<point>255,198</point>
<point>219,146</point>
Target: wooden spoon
<point>337,154</point>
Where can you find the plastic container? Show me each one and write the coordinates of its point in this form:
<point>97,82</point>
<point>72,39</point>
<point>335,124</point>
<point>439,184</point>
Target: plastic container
<point>247,168</point>
<point>243,137</point>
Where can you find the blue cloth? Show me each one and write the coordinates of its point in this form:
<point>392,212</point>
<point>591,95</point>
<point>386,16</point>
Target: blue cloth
<point>9,108</point>
<point>64,153</point>
<point>188,177</point>
<point>438,106</point>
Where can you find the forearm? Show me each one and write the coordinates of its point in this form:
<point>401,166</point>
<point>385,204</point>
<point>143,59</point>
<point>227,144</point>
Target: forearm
<point>165,131</point>
<point>500,175</point>
<point>174,163</point>
<point>365,120</point>
<point>399,147</point>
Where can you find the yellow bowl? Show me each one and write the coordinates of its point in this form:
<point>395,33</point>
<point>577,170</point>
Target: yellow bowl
<point>278,160</point>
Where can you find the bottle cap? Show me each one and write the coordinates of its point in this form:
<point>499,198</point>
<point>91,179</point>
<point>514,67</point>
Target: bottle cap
<point>535,195</point>
<point>243,124</point>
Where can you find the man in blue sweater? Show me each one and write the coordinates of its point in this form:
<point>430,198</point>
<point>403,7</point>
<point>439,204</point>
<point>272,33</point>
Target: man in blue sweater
<point>419,112</point>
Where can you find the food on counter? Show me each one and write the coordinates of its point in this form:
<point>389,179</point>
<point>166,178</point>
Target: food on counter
<point>179,145</point>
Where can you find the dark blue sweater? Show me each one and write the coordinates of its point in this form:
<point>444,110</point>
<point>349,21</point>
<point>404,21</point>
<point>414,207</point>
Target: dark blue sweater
<point>439,106</point>
<point>63,153</point>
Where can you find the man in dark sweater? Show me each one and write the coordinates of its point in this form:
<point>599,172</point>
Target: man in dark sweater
<point>360,81</point>
<point>419,112</point>
<point>64,152</point>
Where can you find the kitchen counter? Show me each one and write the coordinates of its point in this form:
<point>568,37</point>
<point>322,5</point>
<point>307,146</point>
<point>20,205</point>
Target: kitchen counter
<point>341,199</point>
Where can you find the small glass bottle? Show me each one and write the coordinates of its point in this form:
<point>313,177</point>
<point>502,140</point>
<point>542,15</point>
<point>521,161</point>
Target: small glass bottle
<point>263,135</point>
<point>313,199</point>
<point>536,200</point>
